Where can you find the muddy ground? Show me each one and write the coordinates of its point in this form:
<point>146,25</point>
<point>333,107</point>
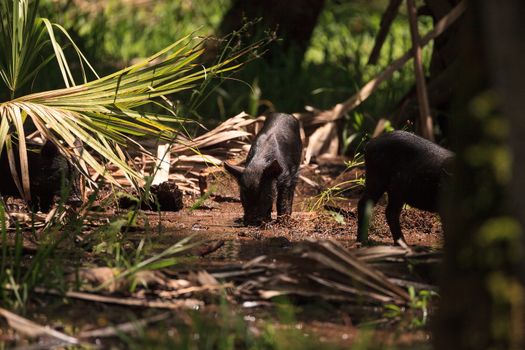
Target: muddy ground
<point>218,219</point>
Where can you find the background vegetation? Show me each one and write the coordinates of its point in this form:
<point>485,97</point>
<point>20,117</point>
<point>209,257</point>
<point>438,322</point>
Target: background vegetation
<point>114,34</point>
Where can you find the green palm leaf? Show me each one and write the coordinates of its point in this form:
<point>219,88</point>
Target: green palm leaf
<point>102,113</point>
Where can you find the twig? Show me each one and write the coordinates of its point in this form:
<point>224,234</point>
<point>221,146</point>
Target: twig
<point>310,182</point>
<point>422,96</point>
<point>32,329</point>
<point>386,21</point>
<point>205,288</point>
<point>126,327</point>
<point>174,305</point>
<point>209,248</point>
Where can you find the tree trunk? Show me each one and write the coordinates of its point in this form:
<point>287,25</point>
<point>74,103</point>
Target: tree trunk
<point>507,57</point>
<point>483,284</point>
<point>293,20</point>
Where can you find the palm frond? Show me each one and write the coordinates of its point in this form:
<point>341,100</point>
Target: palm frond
<point>21,43</point>
<point>102,113</point>
<point>105,114</point>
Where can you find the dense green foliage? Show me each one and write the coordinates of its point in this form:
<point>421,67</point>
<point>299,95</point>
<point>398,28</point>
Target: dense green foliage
<point>334,66</point>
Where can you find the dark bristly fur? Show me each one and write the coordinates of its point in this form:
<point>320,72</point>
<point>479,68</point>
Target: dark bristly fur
<point>272,166</point>
<point>410,169</point>
<point>49,170</point>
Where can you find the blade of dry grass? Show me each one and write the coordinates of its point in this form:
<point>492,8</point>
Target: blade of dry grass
<point>156,304</point>
<point>32,329</point>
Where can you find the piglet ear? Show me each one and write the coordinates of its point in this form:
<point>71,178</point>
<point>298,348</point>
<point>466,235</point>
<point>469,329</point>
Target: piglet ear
<point>274,169</point>
<point>235,170</point>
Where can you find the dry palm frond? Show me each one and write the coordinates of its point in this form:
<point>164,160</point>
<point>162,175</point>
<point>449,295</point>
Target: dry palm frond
<point>188,303</point>
<point>324,269</point>
<point>338,270</point>
<point>231,129</point>
<point>206,152</point>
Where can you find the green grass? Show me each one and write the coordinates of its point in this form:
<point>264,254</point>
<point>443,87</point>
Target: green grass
<point>331,195</point>
<point>21,272</point>
<point>63,247</point>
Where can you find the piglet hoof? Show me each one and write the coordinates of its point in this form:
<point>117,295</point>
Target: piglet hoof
<point>284,218</point>
<point>286,221</point>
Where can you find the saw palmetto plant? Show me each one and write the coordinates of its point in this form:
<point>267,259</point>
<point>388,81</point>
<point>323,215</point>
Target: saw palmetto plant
<point>104,114</point>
